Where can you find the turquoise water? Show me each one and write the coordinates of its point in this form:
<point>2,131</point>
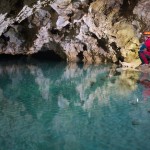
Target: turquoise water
<point>58,106</point>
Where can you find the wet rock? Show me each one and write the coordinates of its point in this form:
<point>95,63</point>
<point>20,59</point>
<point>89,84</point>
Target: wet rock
<point>134,103</point>
<point>135,122</point>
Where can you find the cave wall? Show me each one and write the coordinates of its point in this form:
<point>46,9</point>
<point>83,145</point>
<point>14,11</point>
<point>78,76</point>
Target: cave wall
<point>97,30</point>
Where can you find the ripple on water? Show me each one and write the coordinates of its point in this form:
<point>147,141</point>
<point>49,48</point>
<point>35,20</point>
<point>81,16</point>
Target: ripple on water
<point>60,106</point>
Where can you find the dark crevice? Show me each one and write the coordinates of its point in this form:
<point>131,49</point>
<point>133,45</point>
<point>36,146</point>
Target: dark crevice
<point>56,47</point>
<point>124,7</point>
<point>115,19</point>
<point>93,35</point>
<point>70,15</point>
<point>15,8</point>
<point>127,7</point>
<point>70,19</point>
<point>54,17</point>
<point>117,50</point>
<point>108,10</point>
<point>69,31</point>
<point>85,47</point>
<point>91,1</point>
<point>54,31</point>
<point>114,46</point>
<point>46,55</point>
<point>30,3</point>
<point>101,42</point>
<point>80,56</point>
<point>5,38</point>
<point>11,7</point>
<point>120,58</point>
<point>67,27</point>
<point>29,34</point>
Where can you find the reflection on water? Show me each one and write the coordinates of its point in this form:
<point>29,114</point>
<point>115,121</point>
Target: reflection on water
<point>144,80</point>
<point>57,106</point>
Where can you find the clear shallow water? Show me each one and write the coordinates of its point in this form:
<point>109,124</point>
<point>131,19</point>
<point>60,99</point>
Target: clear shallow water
<point>55,106</point>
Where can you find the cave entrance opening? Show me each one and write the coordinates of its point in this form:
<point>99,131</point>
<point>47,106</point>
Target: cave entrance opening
<point>48,55</point>
<point>41,56</point>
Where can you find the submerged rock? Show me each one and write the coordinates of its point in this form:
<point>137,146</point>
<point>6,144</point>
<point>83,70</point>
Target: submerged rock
<point>135,122</point>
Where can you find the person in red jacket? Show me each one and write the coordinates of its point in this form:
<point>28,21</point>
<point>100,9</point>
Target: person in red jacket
<point>144,52</point>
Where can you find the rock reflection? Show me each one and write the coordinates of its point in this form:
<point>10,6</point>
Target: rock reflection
<point>127,82</point>
<point>79,84</point>
<point>42,102</point>
<point>42,82</point>
<point>62,102</point>
<point>145,82</point>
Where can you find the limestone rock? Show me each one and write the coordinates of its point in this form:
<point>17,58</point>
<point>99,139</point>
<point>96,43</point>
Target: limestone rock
<point>101,31</point>
<point>143,13</point>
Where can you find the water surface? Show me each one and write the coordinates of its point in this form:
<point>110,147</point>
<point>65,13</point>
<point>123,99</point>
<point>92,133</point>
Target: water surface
<point>58,106</point>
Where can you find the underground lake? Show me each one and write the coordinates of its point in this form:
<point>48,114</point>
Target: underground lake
<point>58,106</point>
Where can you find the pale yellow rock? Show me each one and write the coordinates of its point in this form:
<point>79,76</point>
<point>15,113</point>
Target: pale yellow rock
<point>125,33</point>
<point>133,64</point>
<point>136,41</point>
<point>130,56</point>
<point>131,46</point>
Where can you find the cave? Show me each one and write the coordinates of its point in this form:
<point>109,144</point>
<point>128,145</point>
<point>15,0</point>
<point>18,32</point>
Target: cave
<point>47,55</point>
<point>9,57</point>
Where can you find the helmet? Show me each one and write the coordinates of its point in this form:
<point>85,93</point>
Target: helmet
<point>147,33</point>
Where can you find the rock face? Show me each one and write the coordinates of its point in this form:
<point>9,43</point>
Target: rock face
<point>88,30</point>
